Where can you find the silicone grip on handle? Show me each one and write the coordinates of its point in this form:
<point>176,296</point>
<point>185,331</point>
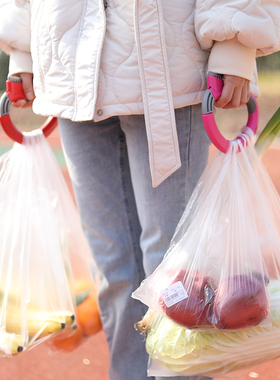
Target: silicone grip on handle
<point>213,92</point>
<point>13,93</point>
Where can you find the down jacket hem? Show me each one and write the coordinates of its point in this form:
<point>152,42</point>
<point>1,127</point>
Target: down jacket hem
<point>46,108</point>
<point>137,108</point>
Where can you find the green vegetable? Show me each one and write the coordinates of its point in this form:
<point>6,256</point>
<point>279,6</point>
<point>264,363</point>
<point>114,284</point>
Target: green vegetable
<point>268,134</point>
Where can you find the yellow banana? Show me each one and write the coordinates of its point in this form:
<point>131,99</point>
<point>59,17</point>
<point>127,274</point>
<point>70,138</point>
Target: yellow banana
<point>62,316</point>
<point>39,323</point>
<point>46,328</point>
<point>66,317</point>
<point>10,344</point>
<point>13,306</point>
<point>34,327</point>
<point>15,324</point>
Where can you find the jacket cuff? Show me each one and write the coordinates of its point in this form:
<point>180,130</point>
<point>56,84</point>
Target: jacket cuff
<point>20,62</point>
<point>233,58</point>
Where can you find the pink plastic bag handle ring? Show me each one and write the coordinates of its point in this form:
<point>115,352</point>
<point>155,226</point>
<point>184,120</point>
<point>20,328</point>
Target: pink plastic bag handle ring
<point>13,93</point>
<point>213,92</point>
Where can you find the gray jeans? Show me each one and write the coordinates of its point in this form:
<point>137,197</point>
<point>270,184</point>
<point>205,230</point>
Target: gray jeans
<point>128,223</point>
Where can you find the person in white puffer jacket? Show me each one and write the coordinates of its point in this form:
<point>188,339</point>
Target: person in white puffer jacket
<point>126,80</point>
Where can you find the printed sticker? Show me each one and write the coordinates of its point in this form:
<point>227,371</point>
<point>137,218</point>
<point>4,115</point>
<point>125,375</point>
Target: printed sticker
<point>173,294</point>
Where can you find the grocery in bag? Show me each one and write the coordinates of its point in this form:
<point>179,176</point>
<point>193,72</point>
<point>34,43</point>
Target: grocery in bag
<point>215,275</point>
<point>87,316</point>
<point>42,246</point>
<point>215,297</point>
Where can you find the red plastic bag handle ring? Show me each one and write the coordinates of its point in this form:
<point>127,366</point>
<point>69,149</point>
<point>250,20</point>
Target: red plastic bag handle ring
<point>13,93</point>
<point>213,92</point>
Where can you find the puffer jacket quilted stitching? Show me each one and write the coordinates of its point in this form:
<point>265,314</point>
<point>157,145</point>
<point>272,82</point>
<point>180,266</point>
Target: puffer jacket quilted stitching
<point>91,61</point>
<point>255,22</point>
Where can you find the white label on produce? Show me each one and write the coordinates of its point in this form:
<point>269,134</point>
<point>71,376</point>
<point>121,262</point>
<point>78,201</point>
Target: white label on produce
<point>173,294</point>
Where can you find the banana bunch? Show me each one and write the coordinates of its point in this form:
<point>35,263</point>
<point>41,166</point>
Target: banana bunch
<point>38,323</point>
<point>35,324</point>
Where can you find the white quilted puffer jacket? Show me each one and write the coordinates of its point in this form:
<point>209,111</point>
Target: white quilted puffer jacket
<point>92,59</point>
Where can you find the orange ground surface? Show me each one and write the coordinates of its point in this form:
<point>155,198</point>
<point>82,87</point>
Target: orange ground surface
<point>90,361</point>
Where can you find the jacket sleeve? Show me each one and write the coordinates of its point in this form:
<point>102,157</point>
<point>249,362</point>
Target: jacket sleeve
<point>15,34</point>
<point>237,31</point>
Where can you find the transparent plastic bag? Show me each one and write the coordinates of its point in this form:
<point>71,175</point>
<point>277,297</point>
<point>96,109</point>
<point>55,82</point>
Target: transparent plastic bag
<point>87,316</point>
<point>225,250</point>
<point>39,225</point>
<point>224,262</point>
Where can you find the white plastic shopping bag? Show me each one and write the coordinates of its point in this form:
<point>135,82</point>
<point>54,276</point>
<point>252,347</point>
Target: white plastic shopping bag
<point>215,275</point>
<point>214,301</point>
<point>39,227</point>
<point>228,240</point>
<point>48,278</point>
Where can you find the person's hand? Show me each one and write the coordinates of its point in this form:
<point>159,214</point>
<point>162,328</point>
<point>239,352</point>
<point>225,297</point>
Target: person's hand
<point>27,86</point>
<point>235,93</point>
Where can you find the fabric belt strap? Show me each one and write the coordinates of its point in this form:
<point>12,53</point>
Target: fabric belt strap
<point>156,90</point>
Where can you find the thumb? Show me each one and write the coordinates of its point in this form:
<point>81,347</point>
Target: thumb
<point>27,85</point>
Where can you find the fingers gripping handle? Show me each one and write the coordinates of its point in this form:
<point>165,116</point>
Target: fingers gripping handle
<point>13,93</point>
<point>213,92</point>
<point>14,89</point>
